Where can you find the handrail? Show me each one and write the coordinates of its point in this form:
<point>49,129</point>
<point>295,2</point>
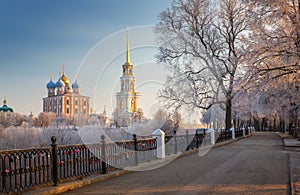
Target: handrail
<point>24,169</point>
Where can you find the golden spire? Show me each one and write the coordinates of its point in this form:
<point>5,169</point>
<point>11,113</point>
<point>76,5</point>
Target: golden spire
<point>127,48</point>
<point>63,70</point>
<point>4,101</point>
<point>51,76</point>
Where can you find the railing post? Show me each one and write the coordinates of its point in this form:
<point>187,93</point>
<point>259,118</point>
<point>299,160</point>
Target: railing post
<point>197,139</point>
<point>203,139</point>
<point>244,133</point>
<point>233,133</point>
<point>159,135</point>
<point>187,140</point>
<point>103,155</point>
<point>212,137</point>
<point>3,176</point>
<point>175,142</point>
<point>54,161</point>
<point>135,149</point>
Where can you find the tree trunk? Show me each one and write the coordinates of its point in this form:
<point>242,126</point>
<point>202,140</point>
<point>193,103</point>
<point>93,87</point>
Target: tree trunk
<point>228,112</point>
<point>274,124</point>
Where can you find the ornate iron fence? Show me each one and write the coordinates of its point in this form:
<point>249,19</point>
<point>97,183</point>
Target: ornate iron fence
<point>22,170</point>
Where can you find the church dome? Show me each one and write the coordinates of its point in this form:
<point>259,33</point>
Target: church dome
<point>51,84</point>
<point>65,79</point>
<point>5,108</point>
<point>60,83</point>
<point>75,85</point>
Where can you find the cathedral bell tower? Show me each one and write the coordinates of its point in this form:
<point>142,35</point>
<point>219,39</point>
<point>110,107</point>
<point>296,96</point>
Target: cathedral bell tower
<point>127,97</point>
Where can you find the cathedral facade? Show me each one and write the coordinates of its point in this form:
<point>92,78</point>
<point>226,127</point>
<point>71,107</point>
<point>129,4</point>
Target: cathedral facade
<point>127,98</point>
<point>65,99</point>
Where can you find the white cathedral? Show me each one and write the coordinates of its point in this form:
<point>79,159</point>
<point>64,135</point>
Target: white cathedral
<point>127,97</point>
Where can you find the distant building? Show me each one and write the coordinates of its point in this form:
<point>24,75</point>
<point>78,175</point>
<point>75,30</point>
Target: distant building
<point>65,100</point>
<point>127,98</point>
<point>5,108</point>
<point>31,119</point>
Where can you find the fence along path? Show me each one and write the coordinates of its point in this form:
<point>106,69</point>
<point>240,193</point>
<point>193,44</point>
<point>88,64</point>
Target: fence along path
<point>22,170</point>
<point>26,169</point>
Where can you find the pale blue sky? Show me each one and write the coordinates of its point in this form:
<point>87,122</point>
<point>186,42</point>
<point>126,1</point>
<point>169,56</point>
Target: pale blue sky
<point>37,37</point>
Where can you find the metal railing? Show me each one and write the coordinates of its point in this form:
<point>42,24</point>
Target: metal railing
<point>179,143</point>
<point>223,135</point>
<point>22,170</point>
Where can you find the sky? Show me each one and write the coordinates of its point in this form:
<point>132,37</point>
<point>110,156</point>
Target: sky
<point>88,38</point>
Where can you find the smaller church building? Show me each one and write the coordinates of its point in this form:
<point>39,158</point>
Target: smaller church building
<point>5,108</point>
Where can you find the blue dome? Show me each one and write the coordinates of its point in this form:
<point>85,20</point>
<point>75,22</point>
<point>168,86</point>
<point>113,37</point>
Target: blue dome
<point>75,85</point>
<point>60,83</point>
<point>51,84</point>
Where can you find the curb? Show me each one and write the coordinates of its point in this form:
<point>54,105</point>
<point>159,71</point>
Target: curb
<point>232,140</point>
<point>75,184</point>
<point>291,184</point>
<point>285,136</point>
<point>72,185</point>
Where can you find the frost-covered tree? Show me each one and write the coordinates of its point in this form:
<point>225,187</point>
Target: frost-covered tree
<point>159,118</point>
<point>278,102</point>
<point>80,120</point>
<point>206,117</point>
<point>12,119</point>
<point>275,53</point>
<point>275,39</point>
<point>214,116</point>
<point>20,138</point>
<point>138,116</point>
<point>64,136</point>
<point>202,44</point>
<point>45,119</point>
<point>172,123</point>
<point>59,123</point>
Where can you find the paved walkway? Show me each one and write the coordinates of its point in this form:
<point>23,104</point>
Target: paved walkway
<point>294,158</point>
<point>256,165</point>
